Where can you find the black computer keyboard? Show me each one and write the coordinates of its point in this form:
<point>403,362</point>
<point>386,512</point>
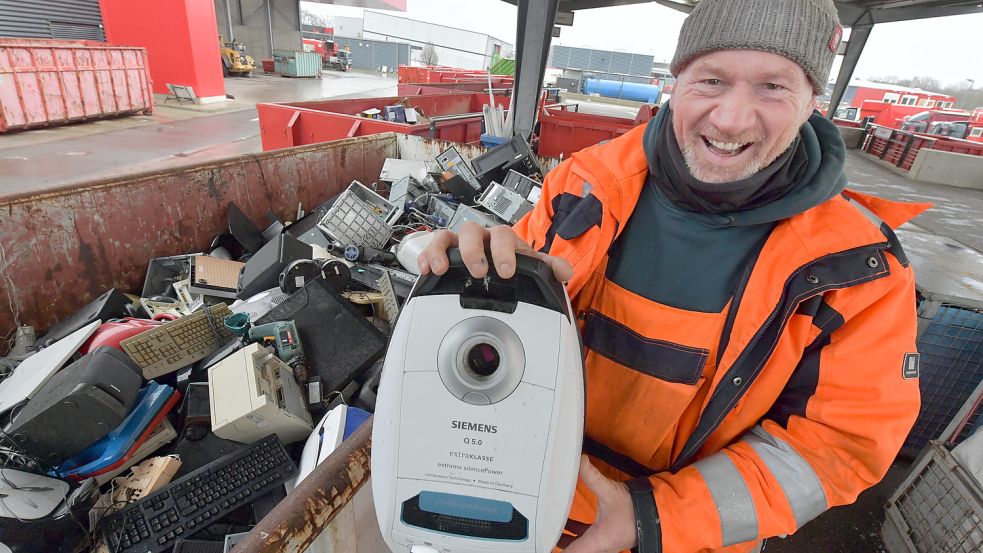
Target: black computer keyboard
<point>194,501</point>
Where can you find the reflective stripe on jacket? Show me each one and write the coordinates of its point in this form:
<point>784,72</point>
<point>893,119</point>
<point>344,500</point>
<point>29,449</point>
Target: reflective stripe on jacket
<point>809,400</point>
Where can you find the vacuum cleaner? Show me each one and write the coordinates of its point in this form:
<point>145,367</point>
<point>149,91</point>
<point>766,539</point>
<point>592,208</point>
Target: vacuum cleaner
<point>480,414</point>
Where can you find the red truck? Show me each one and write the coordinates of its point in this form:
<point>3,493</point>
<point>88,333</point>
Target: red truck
<point>332,57</point>
<point>947,123</point>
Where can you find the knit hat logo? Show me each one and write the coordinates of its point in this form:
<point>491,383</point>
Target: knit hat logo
<point>834,41</point>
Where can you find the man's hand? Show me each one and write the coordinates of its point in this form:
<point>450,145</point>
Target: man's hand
<point>503,242</point>
<point>613,530</point>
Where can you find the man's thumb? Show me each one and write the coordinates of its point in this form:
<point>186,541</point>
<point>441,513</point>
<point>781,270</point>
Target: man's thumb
<point>596,481</point>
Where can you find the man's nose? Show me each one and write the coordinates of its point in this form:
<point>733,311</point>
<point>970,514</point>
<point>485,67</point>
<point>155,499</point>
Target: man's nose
<point>734,114</point>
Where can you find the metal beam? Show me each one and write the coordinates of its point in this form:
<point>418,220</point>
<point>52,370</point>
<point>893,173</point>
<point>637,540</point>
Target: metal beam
<point>228,17</point>
<point>858,39</point>
<point>269,23</point>
<point>851,14</point>
<point>535,25</point>
<point>576,5</point>
<point>684,6</point>
<point>939,9</point>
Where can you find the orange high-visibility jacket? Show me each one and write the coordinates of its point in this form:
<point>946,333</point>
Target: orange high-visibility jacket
<point>815,382</point>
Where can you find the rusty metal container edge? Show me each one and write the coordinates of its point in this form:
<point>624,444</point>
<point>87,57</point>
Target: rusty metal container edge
<point>297,521</point>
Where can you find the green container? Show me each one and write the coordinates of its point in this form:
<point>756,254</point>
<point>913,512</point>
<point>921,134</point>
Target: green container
<point>297,64</point>
<point>502,66</point>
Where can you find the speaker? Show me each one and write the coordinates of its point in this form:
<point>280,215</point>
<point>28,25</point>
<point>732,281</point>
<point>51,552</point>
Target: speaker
<point>78,405</point>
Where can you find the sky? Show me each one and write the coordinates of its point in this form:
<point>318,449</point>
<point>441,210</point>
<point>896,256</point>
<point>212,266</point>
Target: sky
<point>946,48</point>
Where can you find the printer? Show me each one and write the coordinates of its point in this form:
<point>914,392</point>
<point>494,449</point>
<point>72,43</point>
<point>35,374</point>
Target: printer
<point>252,393</point>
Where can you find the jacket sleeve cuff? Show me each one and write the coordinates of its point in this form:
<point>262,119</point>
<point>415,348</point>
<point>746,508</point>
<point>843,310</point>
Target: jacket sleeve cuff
<point>647,527</point>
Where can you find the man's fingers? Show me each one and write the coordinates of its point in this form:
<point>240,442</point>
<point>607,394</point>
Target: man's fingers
<point>592,541</point>
<point>587,543</point>
<point>471,242</point>
<point>504,244</point>
<point>561,268</point>
<point>601,485</point>
<point>434,256</point>
<point>589,474</point>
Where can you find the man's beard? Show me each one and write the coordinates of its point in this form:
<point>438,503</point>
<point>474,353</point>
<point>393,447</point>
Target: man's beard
<point>703,171</point>
<point>707,172</point>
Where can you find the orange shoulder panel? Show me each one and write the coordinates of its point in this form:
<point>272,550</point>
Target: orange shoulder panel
<point>891,212</point>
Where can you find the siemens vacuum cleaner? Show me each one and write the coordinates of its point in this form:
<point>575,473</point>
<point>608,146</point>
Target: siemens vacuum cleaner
<point>480,414</point>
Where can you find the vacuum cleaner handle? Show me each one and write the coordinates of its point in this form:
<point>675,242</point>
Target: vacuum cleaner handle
<point>533,283</point>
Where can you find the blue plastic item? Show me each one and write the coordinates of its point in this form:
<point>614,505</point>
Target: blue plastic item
<point>489,141</point>
<point>648,93</point>
<point>112,447</point>
<point>354,418</point>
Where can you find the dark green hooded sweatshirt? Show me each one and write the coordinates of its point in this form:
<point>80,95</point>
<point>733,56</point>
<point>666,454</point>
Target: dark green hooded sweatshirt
<point>692,260</point>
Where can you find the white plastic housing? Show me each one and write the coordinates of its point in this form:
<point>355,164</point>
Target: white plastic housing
<point>530,460</point>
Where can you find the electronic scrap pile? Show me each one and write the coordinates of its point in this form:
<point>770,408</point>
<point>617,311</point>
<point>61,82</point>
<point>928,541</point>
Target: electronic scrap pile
<point>183,414</point>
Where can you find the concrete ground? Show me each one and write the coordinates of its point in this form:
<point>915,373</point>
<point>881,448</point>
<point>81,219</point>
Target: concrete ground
<point>852,528</point>
<point>956,213</point>
<point>175,134</point>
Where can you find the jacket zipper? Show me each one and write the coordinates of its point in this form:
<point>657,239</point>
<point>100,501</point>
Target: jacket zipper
<point>690,450</point>
<point>774,313</point>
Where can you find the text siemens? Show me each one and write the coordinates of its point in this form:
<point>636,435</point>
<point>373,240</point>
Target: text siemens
<point>473,426</point>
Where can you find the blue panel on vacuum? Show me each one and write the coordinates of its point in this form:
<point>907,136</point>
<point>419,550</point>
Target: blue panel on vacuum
<point>465,506</point>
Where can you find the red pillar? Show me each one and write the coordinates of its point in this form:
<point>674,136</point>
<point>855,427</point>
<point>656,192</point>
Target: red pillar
<point>181,38</point>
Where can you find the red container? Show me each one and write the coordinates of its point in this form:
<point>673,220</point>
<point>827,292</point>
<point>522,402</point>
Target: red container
<point>439,74</point>
<point>53,82</point>
<point>269,66</point>
<point>956,145</point>
<point>297,123</point>
<point>419,89</point>
<point>563,132</point>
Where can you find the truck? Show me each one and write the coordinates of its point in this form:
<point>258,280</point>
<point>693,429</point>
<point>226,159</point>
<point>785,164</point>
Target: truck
<point>235,61</point>
<point>953,124</point>
<point>332,57</point>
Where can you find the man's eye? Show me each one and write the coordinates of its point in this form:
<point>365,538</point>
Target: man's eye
<point>713,82</point>
<point>773,87</point>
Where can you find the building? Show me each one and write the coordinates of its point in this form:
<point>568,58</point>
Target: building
<point>661,72</point>
<point>454,47</point>
<point>375,55</point>
<point>860,90</point>
<point>583,63</point>
<point>60,19</point>
<point>350,27</point>
<point>260,25</point>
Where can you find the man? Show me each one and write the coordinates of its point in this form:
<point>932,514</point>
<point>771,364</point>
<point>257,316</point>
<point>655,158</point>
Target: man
<point>749,333</point>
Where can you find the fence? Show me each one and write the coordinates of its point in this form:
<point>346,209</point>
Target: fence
<point>900,148</point>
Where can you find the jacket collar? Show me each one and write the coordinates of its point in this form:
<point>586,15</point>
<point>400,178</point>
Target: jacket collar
<point>617,170</point>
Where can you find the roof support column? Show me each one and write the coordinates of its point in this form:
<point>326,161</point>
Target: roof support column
<point>269,23</point>
<point>228,18</point>
<point>858,39</point>
<point>535,30</point>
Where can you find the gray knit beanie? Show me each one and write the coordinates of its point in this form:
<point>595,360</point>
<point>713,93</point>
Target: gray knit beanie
<point>807,32</point>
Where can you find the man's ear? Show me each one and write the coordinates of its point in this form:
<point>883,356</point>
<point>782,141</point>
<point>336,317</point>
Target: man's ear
<point>809,108</point>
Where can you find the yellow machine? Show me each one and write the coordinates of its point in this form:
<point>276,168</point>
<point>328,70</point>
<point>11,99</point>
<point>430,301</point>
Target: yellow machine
<point>235,61</point>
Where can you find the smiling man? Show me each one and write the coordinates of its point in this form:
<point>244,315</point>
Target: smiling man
<point>749,324</point>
